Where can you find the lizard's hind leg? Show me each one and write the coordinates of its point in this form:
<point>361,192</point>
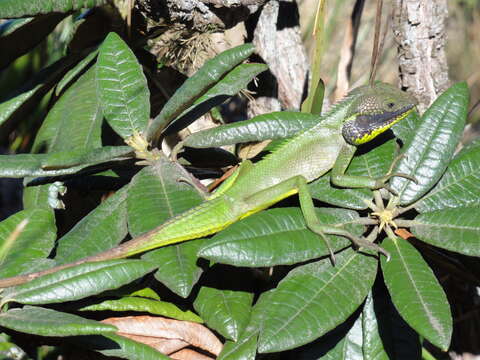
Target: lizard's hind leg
<point>298,184</point>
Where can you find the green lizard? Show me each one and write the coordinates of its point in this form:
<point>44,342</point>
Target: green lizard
<point>329,145</point>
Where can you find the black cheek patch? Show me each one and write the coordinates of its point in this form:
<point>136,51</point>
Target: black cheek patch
<point>363,125</point>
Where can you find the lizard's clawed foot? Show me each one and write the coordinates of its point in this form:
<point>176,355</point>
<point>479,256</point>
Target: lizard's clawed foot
<point>360,242</point>
<point>332,255</point>
<point>381,182</point>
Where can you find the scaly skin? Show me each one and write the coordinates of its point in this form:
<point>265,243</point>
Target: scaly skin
<point>329,145</point>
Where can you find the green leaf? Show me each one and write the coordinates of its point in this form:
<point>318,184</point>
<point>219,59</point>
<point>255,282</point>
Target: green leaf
<point>405,129</point>
<point>194,87</point>
<point>79,105</point>
<point>138,304</point>
<point>102,229</point>
<point>350,347</point>
<point>20,36</point>
<point>155,195</point>
<point>231,84</point>
<point>243,349</point>
<point>22,8</point>
<point>70,76</point>
<point>177,266</point>
<point>374,163</point>
<point>322,189</point>
<point>145,293</point>
<point>227,312</point>
<point>36,196</point>
<point>33,243</point>
<point>47,322</point>
<point>118,346</point>
<point>429,151</point>
<point>60,163</point>
<point>277,236</point>
<point>456,229</point>
<point>459,186</point>
<point>416,293</point>
<point>372,345</point>
<point>313,299</point>
<point>317,101</point>
<point>275,125</point>
<point>78,282</point>
<point>122,87</point>
<point>10,26</point>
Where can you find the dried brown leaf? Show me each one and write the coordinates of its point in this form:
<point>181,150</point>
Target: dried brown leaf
<point>158,327</point>
<point>189,354</point>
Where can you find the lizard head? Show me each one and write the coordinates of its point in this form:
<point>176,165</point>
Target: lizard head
<point>374,110</point>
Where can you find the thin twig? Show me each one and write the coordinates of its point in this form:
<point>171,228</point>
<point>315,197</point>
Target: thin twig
<point>375,50</point>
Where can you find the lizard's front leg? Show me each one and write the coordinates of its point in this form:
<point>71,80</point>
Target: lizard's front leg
<point>298,184</point>
<point>339,178</point>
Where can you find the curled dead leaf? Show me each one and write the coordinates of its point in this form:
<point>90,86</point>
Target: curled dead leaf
<point>151,329</point>
<point>189,354</point>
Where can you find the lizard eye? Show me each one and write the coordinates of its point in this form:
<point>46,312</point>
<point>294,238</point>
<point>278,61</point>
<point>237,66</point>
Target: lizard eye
<point>390,105</point>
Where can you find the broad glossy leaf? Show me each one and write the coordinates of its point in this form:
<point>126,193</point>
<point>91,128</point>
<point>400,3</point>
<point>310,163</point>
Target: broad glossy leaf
<point>459,186</point>
<point>102,229</point>
<point>227,312</point>
<point>194,87</point>
<point>78,282</point>
<point>47,322</point>
<point>177,266</point>
<point>374,163</point>
<point>156,307</point>
<point>60,163</point>
<point>119,346</point>
<point>155,194</point>
<point>275,125</point>
<point>79,105</point>
<point>17,37</point>
<point>231,84</point>
<point>428,152</point>
<point>416,293</point>
<point>33,243</point>
<point>456,229</point>
<point>277,236</point>
<point>122,87</point>
<point>22,8</point>
<point>313,299</point>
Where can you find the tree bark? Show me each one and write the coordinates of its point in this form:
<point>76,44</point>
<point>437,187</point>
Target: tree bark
<point>419,28</point>
<point>278,41</point>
